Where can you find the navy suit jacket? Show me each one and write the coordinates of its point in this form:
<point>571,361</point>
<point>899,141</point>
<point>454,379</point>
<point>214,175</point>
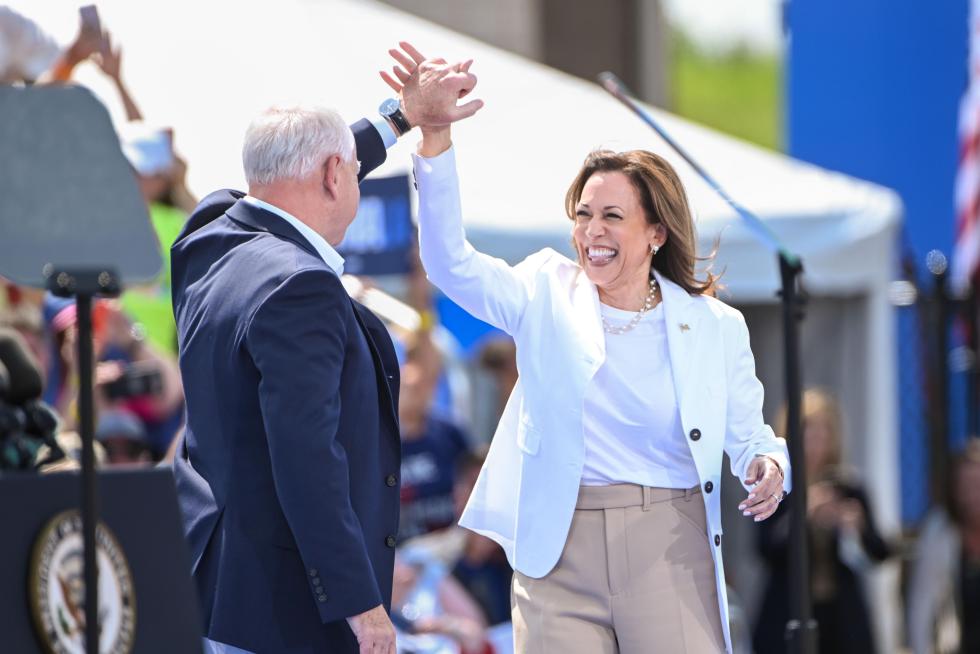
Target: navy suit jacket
<point>287,477</point>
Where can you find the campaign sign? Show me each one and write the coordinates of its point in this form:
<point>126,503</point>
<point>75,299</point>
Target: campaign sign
<point>382,235</point>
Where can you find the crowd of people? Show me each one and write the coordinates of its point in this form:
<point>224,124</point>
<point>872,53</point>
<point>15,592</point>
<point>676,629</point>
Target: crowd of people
<point>452,587</point>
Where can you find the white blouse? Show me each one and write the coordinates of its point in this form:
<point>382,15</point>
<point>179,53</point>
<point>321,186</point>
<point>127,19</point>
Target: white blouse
<point>631,419</point>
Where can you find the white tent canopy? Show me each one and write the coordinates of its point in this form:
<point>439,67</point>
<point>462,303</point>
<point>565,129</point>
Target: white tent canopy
<point>206,67</point>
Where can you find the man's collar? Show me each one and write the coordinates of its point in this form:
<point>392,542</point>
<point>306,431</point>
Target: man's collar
<point>324,249</point>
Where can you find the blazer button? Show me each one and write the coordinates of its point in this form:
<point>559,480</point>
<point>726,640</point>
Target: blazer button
<point>390,541</point>
<point>708,487</point>
<point>717,539</point>
<point>321,598</point>
<point>312,572</point>
<point>695,434</point>
<point>391,480</point>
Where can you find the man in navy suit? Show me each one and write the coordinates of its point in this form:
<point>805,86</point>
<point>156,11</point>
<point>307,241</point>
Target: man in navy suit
<point>287,476</point>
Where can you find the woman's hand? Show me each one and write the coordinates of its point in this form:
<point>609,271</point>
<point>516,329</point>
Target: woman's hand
<point>767,492</point>
<point>430,88</point>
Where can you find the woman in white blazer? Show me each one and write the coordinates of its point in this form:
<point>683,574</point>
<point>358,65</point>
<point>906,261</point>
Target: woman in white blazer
<point>602,482</point>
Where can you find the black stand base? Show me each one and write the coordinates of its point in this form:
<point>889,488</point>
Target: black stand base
<point>800,638</point>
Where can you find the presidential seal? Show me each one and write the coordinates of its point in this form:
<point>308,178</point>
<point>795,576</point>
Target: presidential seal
<point>56,587</point>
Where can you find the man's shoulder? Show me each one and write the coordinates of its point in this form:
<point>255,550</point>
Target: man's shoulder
<point>233,249</point>
<point>232,270</point>
<point>210,208</point>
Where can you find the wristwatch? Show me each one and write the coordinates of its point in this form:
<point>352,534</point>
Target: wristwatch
<point>392,110</point>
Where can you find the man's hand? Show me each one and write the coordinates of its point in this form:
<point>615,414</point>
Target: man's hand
<point>767,493</point>
<point>374,631</point>
<point>109,58</point>
<point>430,88</point>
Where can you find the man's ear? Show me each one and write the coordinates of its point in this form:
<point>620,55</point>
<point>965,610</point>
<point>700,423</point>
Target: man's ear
<point>331,176</point>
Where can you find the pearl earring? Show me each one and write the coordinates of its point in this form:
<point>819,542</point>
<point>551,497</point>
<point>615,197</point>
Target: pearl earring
<point>654,248</point>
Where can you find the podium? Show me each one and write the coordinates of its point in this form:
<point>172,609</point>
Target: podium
<point>74,223</point>
<point>155,613</point>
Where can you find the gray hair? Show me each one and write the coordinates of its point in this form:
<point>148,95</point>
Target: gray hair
<point>292,142</point>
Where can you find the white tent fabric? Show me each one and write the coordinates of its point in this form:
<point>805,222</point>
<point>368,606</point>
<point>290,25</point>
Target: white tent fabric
<point>206,67</point>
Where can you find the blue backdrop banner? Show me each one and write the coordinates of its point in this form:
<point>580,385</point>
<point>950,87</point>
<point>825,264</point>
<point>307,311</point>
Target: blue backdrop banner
<point>382,235</point>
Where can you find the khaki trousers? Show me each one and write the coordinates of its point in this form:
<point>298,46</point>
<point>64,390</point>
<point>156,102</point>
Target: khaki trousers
<point>636,577</point>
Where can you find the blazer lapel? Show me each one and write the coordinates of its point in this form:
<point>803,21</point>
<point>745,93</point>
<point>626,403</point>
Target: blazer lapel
<point>682,333</point>
<point>588,317</point>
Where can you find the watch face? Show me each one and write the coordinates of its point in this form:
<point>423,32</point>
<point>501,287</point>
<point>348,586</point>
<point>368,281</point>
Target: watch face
<point>389,107</point>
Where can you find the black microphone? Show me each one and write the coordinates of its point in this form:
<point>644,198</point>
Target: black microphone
<point>13,420</point>
<point>14,454</point>
<point>41,420</point>
<point>25,421</point>
<point>41,424</point>
<point>24,376</point>
<point>4,382</point>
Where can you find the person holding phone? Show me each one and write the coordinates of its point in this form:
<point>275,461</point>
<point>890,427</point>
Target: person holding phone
<point>603,479</point>
<point>844,542</point>
<point>29,54</point>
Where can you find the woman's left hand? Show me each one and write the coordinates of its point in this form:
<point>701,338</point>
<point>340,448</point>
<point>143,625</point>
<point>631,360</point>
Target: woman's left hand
<point>767,492</point>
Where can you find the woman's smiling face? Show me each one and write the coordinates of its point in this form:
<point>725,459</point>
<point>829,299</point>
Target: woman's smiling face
<point>612,235</point>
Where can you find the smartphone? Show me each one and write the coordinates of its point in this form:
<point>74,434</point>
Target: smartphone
<point>90,19</point>
<point>140,379</point>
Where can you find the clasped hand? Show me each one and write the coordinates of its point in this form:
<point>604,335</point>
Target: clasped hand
<point>429,89</point>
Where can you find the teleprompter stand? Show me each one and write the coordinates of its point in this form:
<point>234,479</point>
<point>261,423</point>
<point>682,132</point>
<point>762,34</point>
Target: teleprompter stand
<point>74,223</point>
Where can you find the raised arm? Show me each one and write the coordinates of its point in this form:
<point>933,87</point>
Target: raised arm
<point>109,59</point>
<point>487,287</point>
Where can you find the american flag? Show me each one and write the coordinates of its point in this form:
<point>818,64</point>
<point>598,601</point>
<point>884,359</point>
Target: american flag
<point>966,254</point>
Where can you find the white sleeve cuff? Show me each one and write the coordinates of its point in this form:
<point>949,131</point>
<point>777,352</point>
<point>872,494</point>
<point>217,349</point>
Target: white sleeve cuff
<point>388,136</point>
<point>440,166</point>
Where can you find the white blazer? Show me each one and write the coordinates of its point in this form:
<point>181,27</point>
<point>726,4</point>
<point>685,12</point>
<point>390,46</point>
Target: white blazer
<point>526,493</point>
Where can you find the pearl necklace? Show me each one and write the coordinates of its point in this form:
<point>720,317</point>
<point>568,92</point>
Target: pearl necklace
<point>647,305</point>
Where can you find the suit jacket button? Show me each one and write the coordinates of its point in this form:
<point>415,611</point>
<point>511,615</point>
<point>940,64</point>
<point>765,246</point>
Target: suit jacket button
<point>321,598</point>
<point>708,487</point>
<point>312,572</point>
<point>391,480</point>
<point>717,539</point>
<point>695,434</point>
<point>390,541</point>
